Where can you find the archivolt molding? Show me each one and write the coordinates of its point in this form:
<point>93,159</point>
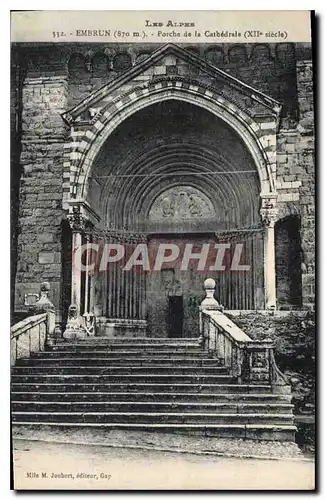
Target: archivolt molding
<point>87,141</point>
<point>134,196</point>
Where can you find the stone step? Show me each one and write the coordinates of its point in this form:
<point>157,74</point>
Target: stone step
<point>144,384</point>
<point>136,387</point>
<point>148,348</point>
<point>263,432</point>
<point>153,417</point>
<point>107,369</point>
<point>122,354</point>
<point>126,361</point>
<point>122,378</point>
<point>130,340</point>
<point>142,397</point>
<point>137,406</point>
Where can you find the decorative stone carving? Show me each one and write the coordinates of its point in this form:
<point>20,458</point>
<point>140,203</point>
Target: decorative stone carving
<point>75,329</point>
<point>193,305</point>
<point>89,323</point>
<point>259,359</point>
<point>181,202</point>
<point>77,221</point>
<point>30,299</point>
<point>43,304</point>
<point>256,364</point>
<point>269,211</point>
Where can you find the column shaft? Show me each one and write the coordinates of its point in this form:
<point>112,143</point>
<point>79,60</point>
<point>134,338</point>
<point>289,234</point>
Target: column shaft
<point>76,272</point>
<point>86,279</point>
<point>269,267</point>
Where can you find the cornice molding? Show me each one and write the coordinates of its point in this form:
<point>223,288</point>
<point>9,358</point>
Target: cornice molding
<point>193,60</point>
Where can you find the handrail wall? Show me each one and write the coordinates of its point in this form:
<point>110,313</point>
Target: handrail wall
<point>31,335</point>
<point>251,361</point>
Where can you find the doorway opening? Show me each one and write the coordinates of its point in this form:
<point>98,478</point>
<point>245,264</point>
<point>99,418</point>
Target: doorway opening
<point>175,316</point>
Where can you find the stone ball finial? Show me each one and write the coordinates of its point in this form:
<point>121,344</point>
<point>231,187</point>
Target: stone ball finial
<point>209,284</point>
<point>210,302</point>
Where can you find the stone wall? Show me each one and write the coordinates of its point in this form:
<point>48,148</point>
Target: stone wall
<point>40,212</point>
<point>306,165</point>
<point>16,76</point>
<point>294,337</point>
<point>268,67</point>
<point>296,170</point>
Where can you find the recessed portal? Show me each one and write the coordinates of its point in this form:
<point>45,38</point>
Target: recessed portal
<point>175,174</point>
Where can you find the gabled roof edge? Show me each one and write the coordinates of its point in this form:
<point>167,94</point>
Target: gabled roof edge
<point>130,73</point>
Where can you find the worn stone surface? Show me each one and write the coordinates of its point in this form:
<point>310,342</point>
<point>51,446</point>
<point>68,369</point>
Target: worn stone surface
<point>294,337</point>
<point>243,448</point>
<point>40,209</point>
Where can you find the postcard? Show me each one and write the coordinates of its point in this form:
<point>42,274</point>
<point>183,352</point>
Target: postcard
<point>163,250</point>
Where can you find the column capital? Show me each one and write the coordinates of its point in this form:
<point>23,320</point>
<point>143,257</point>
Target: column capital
<point>77,220</point>
<point>269,211</point>
<point>269,217</point>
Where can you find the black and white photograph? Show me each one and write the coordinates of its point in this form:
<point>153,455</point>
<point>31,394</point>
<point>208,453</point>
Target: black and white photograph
<point>162,251</point>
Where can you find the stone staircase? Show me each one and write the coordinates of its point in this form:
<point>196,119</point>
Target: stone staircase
<point>144,384</point>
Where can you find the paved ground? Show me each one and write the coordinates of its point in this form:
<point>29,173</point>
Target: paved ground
<point>160,441</point>
<point>118,469</point>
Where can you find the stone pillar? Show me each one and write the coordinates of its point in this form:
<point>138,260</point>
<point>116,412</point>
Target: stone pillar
<point>209,303</point>
<point>87,277</point>
<point>75,328</point>
<point>269,265</point>
<point>77,223</point>
<point>92,278</point>
<point>269,214</point>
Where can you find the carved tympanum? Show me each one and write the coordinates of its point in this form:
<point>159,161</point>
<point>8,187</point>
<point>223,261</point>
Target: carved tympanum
<point>181,203</point>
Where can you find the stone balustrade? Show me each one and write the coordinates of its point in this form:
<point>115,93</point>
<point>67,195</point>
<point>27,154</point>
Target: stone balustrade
<point>249,360</point>
<point>32,334</point>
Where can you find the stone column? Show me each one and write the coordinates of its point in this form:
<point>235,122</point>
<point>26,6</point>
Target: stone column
<point>269,266</point>
<point>77,223</point>
<point>87,277</point>
<point>92,278</point>
<point>269,218</point>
